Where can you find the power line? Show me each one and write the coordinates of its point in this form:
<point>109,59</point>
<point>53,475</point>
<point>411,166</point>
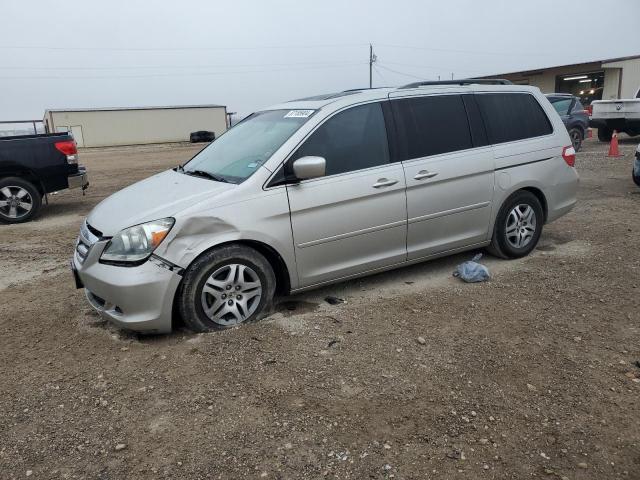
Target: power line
<point>179,74</point>
<point>380,74</point>
<point>401,73</point>
<point>179,49</point>
<point>472,52</point>
<point>157,67</point>
<point>432,67</point>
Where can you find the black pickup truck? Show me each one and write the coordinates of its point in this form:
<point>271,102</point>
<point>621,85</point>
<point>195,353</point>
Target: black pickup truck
<point>31,166</point>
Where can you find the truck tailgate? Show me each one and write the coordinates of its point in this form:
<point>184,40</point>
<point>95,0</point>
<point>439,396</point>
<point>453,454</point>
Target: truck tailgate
<point>616,109</point>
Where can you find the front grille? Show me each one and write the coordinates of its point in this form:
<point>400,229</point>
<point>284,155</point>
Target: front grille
<point>88,236</point>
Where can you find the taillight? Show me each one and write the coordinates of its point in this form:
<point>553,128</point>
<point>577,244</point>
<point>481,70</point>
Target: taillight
<point>68,148</point>
<point>569,155</point>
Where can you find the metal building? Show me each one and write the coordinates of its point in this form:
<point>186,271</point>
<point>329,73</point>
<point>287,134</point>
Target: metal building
<point>101,127</point>
<point>598,80</point>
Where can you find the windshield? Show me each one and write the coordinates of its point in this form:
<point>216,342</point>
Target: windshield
<point>237,154</point>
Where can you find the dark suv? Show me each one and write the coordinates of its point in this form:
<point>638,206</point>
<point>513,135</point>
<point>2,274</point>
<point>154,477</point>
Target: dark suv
<point>573,115</point>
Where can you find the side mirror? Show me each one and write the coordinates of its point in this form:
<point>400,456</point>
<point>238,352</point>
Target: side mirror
<point>309,167</point>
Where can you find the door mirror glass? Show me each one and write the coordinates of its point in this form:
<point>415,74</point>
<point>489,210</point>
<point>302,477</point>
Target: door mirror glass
<point>309,167</point>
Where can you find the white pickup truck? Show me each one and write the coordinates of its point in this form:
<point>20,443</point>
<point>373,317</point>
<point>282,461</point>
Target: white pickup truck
<point>621,115</point>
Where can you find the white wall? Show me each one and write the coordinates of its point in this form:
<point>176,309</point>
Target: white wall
<point>630,76</point>
<point>132,127</point>
<point>545,79</point>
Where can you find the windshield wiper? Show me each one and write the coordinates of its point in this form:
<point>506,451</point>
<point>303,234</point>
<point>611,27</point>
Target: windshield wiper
<point>203,174</point>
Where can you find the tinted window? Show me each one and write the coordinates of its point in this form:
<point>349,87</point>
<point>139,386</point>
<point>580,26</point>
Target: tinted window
<point>561,104</point>
<point>512,116</point>
<point>350,140</point>
<point>431,125</point>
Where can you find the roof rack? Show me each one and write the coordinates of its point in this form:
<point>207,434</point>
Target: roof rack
<point>464,81</point>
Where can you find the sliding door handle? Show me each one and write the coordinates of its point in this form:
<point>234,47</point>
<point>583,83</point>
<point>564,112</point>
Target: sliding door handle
<point>383,182</point>
<point>422,174</point>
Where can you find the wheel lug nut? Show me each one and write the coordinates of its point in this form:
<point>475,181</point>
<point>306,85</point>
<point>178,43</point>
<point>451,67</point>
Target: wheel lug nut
<point>228,287</point>
<point>230,302</point>
<point>239,297</point>
<point>224,295</point>
<point>237,287</point>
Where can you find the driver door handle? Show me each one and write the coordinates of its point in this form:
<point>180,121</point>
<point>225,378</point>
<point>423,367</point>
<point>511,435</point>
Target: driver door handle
<point>422,174</point>
<point>383,182</point>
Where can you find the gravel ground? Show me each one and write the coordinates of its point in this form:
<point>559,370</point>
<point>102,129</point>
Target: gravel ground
<point>531,375</point>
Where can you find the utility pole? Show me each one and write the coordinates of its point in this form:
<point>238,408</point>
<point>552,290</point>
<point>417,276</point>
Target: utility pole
<point>372,59</point>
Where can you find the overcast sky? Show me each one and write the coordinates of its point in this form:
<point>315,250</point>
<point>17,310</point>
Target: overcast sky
<point>249,54</point>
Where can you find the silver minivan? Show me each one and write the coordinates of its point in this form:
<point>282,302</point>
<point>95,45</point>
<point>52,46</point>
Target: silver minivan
<point>323,189</point>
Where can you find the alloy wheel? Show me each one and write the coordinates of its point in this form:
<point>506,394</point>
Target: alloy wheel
<point>15,202</point>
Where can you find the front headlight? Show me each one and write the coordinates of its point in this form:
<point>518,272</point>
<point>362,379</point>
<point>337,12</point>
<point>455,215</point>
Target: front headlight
<point>135,244</point>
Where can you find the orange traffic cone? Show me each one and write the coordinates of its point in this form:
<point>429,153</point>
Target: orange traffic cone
<point>613,147</point>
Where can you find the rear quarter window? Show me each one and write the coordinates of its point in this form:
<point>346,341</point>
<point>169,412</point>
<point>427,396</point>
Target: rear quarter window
<point>513,116</point>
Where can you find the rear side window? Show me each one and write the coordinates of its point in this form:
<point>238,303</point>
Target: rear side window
<point>577,107</point>
<point>431,125</point>
<point>512,116</point>
<point>561,105</point>
<point>350,140</point>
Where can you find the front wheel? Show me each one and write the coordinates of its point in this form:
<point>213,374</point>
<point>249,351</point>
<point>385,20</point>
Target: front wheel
<point>20,200</point>
<point>518,226</point>
<point>225,287</point>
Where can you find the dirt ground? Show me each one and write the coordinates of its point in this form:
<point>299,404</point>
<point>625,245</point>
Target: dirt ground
<point>533,374</point>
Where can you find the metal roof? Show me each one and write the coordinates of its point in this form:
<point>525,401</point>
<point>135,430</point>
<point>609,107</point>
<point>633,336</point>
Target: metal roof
<point>539,69</point>
<point>115,109</point>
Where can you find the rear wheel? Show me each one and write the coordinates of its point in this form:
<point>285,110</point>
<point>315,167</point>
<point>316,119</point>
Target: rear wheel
<point>518,226</point>
<point>20,200</point>
<point>576,138</point>
<point>225,287</point>
<point>605,134</point>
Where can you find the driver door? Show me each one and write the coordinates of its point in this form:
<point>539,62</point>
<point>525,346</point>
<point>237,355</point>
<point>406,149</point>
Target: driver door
<point>354,219</point>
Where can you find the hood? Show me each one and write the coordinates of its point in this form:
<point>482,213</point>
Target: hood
<point>160,196</point>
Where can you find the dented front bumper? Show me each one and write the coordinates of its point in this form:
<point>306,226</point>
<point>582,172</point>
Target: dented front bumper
<point>136,298</point>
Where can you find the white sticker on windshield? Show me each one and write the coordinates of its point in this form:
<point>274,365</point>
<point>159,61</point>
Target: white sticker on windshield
<point>299,113</point>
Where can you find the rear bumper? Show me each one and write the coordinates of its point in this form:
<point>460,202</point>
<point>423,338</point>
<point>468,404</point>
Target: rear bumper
<point>562,197</point>
<point>79,180</point>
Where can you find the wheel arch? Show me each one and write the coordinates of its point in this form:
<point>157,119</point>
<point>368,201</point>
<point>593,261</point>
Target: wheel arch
<point>540,196</point>
<point>279,266</point>
<point>25,174</point>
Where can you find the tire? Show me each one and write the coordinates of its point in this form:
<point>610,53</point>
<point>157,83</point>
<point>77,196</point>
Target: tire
<point>636,178</point>
<point>576,136</point>
<point>219,277</point>
<point>20,200</point>
<point>504,245</point>
<point>605,134</point>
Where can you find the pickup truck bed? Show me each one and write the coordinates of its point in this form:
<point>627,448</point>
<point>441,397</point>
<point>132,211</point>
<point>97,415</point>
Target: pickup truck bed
<point>31,166</point>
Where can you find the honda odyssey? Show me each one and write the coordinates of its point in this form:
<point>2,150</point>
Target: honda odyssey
<point>323,189</point>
